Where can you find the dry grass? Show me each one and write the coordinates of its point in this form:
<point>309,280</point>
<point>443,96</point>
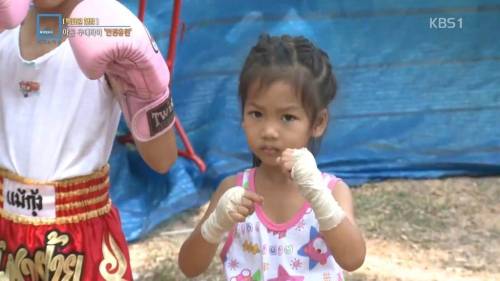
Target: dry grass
<point>416,230</point>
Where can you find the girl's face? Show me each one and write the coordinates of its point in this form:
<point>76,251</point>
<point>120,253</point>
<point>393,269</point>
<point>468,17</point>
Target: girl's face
<point>274,119</point>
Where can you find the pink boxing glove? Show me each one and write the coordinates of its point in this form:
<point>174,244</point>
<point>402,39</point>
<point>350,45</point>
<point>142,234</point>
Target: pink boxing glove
<point>12,12</point>
<point>129,56</point>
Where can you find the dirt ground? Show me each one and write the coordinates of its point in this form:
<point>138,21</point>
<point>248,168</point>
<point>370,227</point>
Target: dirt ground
<point>428,230</point>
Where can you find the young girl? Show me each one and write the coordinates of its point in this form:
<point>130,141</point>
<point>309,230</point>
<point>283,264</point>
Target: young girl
<point>303,227</point>
<point>57,127</point>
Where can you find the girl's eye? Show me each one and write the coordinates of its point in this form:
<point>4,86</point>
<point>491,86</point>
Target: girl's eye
<point>288,118</point>
<point>255,114</point>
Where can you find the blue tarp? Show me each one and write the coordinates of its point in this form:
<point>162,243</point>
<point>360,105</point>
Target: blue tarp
<point>417,99</point>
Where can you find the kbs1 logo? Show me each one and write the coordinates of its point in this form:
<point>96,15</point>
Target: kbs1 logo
<point>445,23</point>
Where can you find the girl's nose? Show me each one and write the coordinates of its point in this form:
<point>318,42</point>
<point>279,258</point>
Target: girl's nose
<point>270,131</point>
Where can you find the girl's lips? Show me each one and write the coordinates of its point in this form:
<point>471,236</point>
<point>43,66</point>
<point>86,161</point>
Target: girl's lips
<point>270,150</point>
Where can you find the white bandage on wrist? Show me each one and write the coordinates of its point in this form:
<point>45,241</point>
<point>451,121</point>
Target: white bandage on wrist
<point>219,221</point>
<point>311,185</point>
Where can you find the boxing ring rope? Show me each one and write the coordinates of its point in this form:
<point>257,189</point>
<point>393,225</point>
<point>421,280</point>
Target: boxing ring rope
<point>189,152</point>
<point>172,46</point>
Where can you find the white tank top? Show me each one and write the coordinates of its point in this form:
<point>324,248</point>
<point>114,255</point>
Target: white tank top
<point>260,250</point>
<point>65,129</point>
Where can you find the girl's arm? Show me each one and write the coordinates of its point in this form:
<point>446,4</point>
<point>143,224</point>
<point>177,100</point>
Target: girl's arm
<point>345,241</point>
<point>229,205</point>
<point>196,253</point>
<point>333,209</point>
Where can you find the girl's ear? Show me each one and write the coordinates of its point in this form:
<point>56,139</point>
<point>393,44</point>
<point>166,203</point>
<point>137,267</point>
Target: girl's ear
<point>320,124</point>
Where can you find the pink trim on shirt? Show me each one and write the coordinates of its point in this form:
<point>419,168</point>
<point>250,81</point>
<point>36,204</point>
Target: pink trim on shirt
<point>296,218</point>
<point>230,237</point>
<point>266,220</point>
<point>227,245</point>
<point>332,178</point>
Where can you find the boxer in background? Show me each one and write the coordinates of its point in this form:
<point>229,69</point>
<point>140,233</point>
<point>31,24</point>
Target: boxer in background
<point>60,104</point>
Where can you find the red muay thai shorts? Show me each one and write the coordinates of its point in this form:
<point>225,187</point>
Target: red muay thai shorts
<point>61,230</point>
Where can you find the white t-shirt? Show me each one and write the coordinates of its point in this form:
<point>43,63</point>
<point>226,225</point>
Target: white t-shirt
<point>67,128</point>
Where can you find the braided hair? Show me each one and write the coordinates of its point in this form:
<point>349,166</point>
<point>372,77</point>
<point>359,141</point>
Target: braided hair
<point>293,59</point>
<point>297,61</point>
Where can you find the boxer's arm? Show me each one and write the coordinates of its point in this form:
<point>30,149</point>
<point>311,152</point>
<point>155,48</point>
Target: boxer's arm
<point>138,76</point>
<point>133,61</point>
<point>159,153</point>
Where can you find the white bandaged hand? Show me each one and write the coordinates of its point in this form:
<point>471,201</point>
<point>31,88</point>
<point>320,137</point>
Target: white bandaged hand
<point>220,221</point>
<point>311,185</point>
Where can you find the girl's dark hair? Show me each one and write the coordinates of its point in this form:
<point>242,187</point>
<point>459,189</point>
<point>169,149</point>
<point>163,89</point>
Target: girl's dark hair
<point>295,60</point>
